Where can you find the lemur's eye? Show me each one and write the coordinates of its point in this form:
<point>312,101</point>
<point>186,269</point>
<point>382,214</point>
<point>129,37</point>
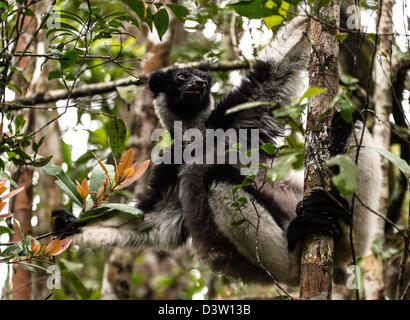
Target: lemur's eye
<point>181,77</point>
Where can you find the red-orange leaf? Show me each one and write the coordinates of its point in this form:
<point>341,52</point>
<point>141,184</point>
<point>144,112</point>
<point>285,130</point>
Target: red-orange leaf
<point>11,193</point>
<point>2,205</point>
<point>3,182</point>
<point>65,243</point>
<point>138,172</point>
<point>125,163</point>
<point>53,247</point>
<point>2,188</point>
<point>35,247</point>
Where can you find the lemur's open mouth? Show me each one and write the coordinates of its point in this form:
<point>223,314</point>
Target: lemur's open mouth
<point>193,92</point>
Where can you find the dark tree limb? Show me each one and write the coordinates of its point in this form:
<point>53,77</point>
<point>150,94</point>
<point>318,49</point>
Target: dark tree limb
<point>317,255</point>
<point>100,88</point>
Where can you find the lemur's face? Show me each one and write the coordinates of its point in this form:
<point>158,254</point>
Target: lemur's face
<point>187,90</point>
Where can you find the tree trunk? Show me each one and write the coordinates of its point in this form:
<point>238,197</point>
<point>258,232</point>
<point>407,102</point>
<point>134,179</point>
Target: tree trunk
<point>317,256</point>
<point>22,208</point>
<point>373,285</point>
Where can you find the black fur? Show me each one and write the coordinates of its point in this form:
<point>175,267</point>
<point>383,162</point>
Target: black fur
<point>187,90</point>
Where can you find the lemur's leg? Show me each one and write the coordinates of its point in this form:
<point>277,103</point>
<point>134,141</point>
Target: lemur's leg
<point>256,230</point>
<point>162,227</point>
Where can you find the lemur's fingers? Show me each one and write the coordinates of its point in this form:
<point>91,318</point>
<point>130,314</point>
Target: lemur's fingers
<point>60,220</point>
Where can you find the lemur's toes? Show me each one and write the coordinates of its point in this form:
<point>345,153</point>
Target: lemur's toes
<point>318,213</point>
<point>305,225</point>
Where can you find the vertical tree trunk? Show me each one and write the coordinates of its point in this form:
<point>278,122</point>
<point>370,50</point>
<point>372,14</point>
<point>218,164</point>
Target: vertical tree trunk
<point>22,203</point>
<point>317,256</point>
<point>373,284</point>
<point>22,208</point>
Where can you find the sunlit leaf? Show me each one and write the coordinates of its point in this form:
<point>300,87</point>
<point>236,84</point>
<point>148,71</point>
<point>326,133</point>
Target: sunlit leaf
<point>347,179</point>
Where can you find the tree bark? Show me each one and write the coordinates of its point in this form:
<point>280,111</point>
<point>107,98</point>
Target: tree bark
<point>22,208</point>
<point>317,255</point>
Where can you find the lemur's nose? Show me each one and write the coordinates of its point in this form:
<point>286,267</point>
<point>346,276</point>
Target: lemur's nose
<point>200,82</point>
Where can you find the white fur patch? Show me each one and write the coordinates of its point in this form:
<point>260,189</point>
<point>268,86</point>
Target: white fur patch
<point>269,240</point>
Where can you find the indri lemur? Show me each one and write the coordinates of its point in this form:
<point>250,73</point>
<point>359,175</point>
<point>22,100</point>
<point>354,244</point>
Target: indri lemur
<point>184,201</point>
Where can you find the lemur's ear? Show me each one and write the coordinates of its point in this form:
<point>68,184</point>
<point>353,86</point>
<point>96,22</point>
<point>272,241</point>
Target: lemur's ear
<point>158,81</point>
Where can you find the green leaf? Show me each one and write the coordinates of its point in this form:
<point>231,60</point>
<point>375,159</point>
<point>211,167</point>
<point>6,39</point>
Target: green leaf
<point>54,75</point>
<point>91,215</point>
<point>4,229</point>
<point>347,179</point>
<point>124,208</point>
<point>273,21</point>
<point>281,167</point>
<point>12,250</point>
<point>347,109</point>
<point>254,9</point>
<point>311,92</point>
<point>71,57</point>
<point>75,281</point>
<point>396,160</point>
<point>139,7</point>
<point>64,182</point>
<point>149,19</point>
<point>238,223</point>
<point>269,148</point>
<point>341,37</point>
<point>161,22</point>
<point>116,132</point>
<point>127,93</point>
<point>20,122</point>
<point>179,11</point>
<point>97,178</point>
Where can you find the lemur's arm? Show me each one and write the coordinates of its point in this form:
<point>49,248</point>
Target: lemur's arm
<point>162,227</point>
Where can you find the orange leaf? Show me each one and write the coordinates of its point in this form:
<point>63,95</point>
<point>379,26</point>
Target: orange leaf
<point>128,158</point>
<point>84,184</point>
<point>2,188</point>
<point>3,182</point>
<point>11,193</point>
<point>53,247</point>
<point>35,247</point>
<point>138,172</point>
<point>2,205</point>
<point>129,172</point>
<point>64,244</point>
<point>125,163</point>
<point>81,192</point>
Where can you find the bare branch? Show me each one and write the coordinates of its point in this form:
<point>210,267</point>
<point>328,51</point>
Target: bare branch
<point>100,88</point>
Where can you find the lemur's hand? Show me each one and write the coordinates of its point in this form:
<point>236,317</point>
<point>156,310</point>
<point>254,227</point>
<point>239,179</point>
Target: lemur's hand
<point>318,213</point>
<point>60,221</point>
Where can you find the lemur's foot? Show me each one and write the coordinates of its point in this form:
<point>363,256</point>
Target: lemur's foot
<point>318,213</point>
<point>60,220</point>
